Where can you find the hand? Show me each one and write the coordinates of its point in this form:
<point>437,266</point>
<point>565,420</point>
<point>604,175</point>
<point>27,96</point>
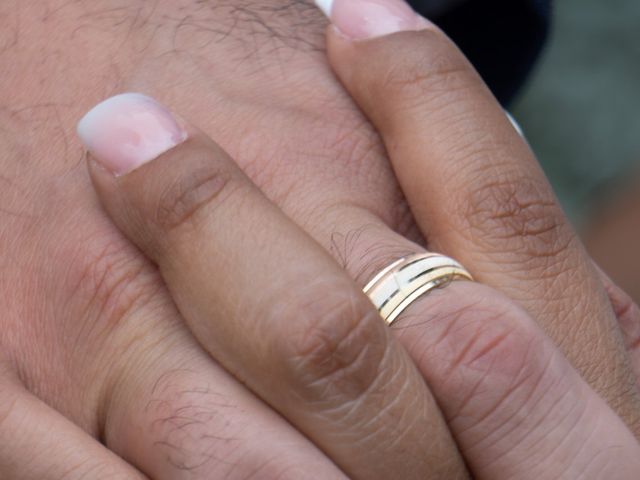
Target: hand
<point>89,334</point>
<point>515,406</point>
<point>478,194</point>
<point>277,312</point>
<point>86,321</point>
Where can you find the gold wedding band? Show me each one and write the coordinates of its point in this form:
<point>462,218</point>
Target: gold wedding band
<point>404,281</point>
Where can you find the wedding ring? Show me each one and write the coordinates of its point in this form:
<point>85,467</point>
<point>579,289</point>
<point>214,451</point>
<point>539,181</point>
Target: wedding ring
<point>404,281</point>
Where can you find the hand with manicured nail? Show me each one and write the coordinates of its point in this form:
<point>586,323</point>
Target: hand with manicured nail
<point>94,356</point>
<point>264,299</point>
<point>280,315</point>
<point>87,324</point>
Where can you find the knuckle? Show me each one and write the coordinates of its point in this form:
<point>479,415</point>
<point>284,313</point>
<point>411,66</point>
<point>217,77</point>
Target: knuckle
<point>435,74</point>
<point>338,344</point>
<point>438,65</point>
<point>497,371</point>
<point>487,337</point>
<point>189,196</point>
<point>519,213</point>
<point>489,351</point>
<point>419,80</point>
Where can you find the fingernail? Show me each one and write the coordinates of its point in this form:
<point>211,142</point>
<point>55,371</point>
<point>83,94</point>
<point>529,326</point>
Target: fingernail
<point>362,19</point>
<point>515,124</point>
<point>129,130</point>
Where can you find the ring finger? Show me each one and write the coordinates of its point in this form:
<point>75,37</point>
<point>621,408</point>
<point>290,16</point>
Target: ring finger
<point>474,187</point>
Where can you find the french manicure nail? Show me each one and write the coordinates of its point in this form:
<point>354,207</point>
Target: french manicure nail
<point>362,19</point>
<point>129,130</point>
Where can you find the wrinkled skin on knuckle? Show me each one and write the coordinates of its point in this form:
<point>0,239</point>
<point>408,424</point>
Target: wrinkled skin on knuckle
<point>336,347</point>
<point>422,79</point>
<point>482,346</point>
<point>518,220</point>
<point>495,370</point>
<point>520,214</point>
<point>498,372</point>
<point>192,197</point>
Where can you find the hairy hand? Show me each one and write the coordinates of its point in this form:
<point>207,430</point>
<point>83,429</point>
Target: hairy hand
<point>88,326</point>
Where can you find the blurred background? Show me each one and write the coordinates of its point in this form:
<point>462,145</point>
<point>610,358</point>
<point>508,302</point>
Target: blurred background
<point>581,113</point>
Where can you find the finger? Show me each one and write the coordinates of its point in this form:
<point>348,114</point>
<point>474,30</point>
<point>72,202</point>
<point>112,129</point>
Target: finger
<point>37,443</point>
<point>262,298</point>
<point>159,400</point>
<point>513,402</point>
<point>473,185</point>
<point>177,415</point>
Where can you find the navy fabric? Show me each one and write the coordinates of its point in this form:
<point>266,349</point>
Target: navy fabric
<point>502,38</point>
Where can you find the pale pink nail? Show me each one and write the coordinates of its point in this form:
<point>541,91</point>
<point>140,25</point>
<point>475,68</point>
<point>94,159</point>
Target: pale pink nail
<point>129,130</point>
<point>361,19</point>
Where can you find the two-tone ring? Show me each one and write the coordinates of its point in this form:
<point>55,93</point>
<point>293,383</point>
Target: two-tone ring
<point>404,281</point>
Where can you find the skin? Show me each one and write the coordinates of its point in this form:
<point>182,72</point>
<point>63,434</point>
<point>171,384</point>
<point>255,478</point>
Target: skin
<point>87,325</point>
<point>103,343</point>
<point>326,362</point>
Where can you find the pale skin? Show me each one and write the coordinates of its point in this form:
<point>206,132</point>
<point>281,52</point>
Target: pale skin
<point>90,331</point>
